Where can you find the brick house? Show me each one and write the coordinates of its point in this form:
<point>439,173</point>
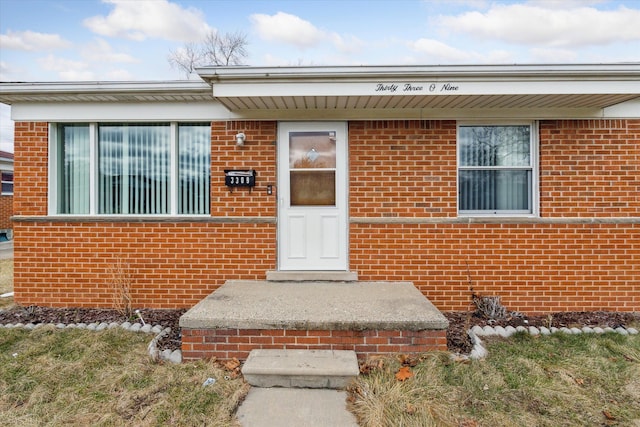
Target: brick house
<point>6,195</point>
<point>524,180</point>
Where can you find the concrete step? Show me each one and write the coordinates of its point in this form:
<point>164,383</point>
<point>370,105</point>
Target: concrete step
<point>301,368</point>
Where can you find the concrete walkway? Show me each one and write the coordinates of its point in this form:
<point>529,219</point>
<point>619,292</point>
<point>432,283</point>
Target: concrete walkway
<point>284,407</point>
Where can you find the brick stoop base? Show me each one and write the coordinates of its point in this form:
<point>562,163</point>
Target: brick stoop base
<point>230,343</point>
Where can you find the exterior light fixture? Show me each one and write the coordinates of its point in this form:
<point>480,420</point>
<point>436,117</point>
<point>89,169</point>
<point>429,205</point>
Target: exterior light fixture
<point>240,138</point>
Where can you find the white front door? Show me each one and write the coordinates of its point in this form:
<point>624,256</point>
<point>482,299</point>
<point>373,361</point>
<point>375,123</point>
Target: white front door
<point>312,196</point>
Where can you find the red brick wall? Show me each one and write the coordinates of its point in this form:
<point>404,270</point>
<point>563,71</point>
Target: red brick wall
<point>404,170</point>
<point>533,267</point>
<point>172,264</point>
<point>259,153</point>
<point>590,168</point>
<point>30,176</point>
<point>6,211</point>
<point>400,171</point>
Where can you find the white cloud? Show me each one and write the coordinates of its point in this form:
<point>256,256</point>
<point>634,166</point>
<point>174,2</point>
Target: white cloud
<point>14,72</point>
<point>142,19</point>
<point>436,52</point>
<point>440,51</point>
<point>553,55</point>
<point>542,25</point>
<point>32,41</point>
<point>286,28</point>
<point>119,74</point>
<point>67,69</point>
<point>100,51</point>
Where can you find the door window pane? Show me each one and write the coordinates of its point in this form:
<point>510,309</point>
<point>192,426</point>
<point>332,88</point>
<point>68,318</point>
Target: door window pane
<point>312,168</point>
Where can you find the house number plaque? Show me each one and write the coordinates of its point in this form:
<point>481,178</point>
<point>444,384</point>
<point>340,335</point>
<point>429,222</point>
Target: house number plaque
<point>239,178</point>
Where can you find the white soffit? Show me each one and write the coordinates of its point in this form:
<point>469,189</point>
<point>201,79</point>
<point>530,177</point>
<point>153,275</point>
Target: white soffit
<point>584,88</point>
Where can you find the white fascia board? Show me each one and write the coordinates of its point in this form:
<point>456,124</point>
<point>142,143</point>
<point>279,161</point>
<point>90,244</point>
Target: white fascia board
<point>107,111</point>
<point>102,87</point>
<point>419,71</point>
<point>434,87</point>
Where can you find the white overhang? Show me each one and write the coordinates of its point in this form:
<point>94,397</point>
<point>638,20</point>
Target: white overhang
<point>425,91</point>
<point>362,92</point>
<point>122,92</point>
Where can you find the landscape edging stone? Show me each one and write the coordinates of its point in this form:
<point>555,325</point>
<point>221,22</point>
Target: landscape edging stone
<point>174,356</point>
<point>480,352</point>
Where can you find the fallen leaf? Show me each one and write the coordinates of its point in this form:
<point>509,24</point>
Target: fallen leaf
<point>408,360</point>
<point>404,373</point>
<point>232,364</point>
<point>371,364</point>
<point>608,415</point>
<point>579,381</point>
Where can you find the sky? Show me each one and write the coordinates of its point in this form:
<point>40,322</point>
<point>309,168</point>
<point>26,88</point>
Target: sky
<point>125,40</point>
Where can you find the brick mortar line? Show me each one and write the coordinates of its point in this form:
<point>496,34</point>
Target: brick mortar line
<point>352,220</point>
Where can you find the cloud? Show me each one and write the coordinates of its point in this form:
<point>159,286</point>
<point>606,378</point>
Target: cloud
<point>290,29</point>
<point>119,74</point>
<point>442,51</point>
<point>32,41</point>
<point>539,24</point>
<point>436,52</point>
<point>100,51</point>
<point>7,72</point>
<point>67,69</point>
<point>142,19</point>
<point>553,55</point>
<point>283,27</point>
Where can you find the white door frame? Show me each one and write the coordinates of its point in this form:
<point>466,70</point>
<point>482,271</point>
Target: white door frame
<point>313,238</point>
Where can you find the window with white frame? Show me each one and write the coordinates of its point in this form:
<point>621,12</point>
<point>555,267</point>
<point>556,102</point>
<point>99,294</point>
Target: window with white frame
<point>132,169</point>
<point>496,169</point>
<point>7,183</point>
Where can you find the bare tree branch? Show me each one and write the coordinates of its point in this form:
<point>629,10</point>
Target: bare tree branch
<point>186,58</point>
<point>215,49</point>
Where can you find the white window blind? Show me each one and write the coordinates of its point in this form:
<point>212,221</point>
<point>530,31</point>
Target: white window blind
<point>74,169</point>
<point>135,167</point>
<point>495,172</point>
<point>194,153</point>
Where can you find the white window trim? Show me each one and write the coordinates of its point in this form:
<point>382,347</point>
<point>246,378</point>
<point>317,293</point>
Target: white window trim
<point>93,177</point>
<point>535,171</point>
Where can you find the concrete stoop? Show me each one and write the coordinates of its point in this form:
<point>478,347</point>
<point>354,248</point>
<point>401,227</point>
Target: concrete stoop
<point>370,318</point>
<point>332,369</point>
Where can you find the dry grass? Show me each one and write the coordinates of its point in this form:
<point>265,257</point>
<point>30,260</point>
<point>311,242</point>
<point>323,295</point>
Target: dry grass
<point>72,377</point>
<point>562,380</point>
<point>6,282</point>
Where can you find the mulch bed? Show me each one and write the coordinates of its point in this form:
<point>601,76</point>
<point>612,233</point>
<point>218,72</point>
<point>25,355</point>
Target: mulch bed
<point>457,338</point>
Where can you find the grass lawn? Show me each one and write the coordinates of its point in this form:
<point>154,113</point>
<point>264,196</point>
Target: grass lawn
<point>559,380</point>
<point>77,377</point>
